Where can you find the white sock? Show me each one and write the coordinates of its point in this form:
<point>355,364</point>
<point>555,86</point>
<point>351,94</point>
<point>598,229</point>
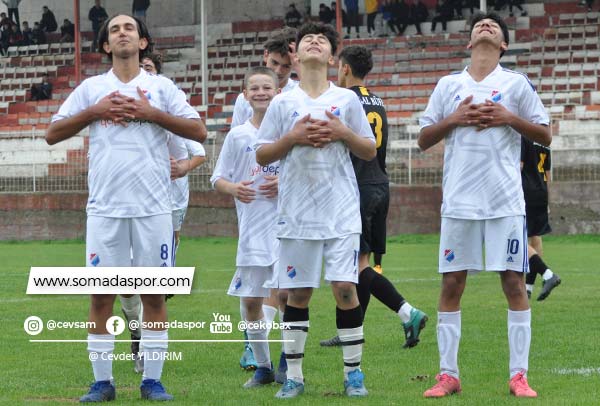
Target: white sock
<point>352,353</point>
<point>295,348</point>
<point>101,365</point>
<point>260,350</point>
<point>154,352</point>
<point>132,308</point>
<point>404,312</point>
<point>519,340</point>
<point>547,274</point>
<point>269,313</point>
<point>529,287</point>
<point>448,335</point>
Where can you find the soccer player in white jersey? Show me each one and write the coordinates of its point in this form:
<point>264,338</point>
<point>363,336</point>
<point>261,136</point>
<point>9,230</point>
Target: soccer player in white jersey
<point>254,188</point>
<point>312,129</point>
<point>480,113</point>
<point>279,51</point>
<point>130,113</point>
<point>279,57</point>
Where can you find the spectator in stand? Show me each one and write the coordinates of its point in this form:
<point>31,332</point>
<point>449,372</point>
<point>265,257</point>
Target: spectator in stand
<point>48,22</point>
<point>386,8</point>
<point>15,37</point>
<point>97,16</point>
<point>13,10</point>
<point>67,31</point>
<point>292,18</point>
<point>443,13</point>
<point>417,13</point>
<point>4,36</point>
<point>517,4</point>
<point>352,17</point>
<point>4,18</point>
<point>326,16</point>
<point>457,6</point>
<point>371,9</point>
<point>43,91</point>
<point>139,7</point>
<point>38,34</point>
<point>400,11</point>
<point>27,33</point>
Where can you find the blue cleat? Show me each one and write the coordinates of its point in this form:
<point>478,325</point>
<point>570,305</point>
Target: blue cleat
<point>412,328</point>
<point>247,360</point>
<point>152,389</point>
<point>281,374</point>
<point>100,391</point>
<point>355,386</point>
<point>290,389</point>
<point>262,376</point>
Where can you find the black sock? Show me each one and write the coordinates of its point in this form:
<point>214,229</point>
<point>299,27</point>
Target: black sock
<point>386,293</point>
<point>351,318</point>
<point>363,289</point>
<point>377,259</point>
<point>536,266</point>
<point>295,314</point>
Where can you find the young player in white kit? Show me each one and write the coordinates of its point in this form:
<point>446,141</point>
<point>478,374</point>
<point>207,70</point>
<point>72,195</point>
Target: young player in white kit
<point>279,56</point>
<point>254,188</point>
<point>129,113</point>
<point>480,113</point>
<point>311,129</point>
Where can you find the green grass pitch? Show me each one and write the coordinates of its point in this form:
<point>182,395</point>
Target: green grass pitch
<point>564,358</point>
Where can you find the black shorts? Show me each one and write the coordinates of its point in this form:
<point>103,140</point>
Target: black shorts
<point>374,204</point>
<point>537,220</point>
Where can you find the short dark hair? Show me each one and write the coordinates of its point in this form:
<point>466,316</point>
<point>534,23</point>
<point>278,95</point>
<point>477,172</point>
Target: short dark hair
<point>319,28</point>
<point>495,17</point>
<point>260,70</point>
<point>279,42</point>
<point>142,32</point>
<point>359,58</point>
<point>156,59</point>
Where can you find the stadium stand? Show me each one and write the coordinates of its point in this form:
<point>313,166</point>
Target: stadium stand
<point>557,46</point>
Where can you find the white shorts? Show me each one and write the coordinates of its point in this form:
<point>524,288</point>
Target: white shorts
<point>178,216</point>
<point>301,261</point>
<point>252,281</point>
<point>115,241</point>
<point>462,243</point>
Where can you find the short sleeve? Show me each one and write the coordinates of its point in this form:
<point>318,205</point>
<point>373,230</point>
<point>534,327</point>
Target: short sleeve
<point>240,111</point>
<point>178,105</point>
<point>194,148</point>
<point>434,113</point>
<point>74,104</point>
<point>530,105</point>
<point>271,127</point>
<point>225,163</point>
<point>357,119</point>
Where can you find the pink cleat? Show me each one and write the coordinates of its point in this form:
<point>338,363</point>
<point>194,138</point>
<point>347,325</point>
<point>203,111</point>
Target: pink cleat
<point>520,388</point>
<point>447,385</point>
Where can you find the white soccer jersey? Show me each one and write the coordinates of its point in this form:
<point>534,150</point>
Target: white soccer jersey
<point>181,148</point>
<point>318,194</point>
<point>482,177</point>
<point>257,243</point>
<point>242,111</point>
<point>129,167</point>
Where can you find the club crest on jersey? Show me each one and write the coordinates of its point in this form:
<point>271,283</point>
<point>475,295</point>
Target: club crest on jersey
<point>291,272</point>
<point>238,283</point>
<point>94,259</point>
<point>147,94</point>
<point>449,255</point>
<point>295,114</point>
<point>496,96</point>
<point>335,111</point>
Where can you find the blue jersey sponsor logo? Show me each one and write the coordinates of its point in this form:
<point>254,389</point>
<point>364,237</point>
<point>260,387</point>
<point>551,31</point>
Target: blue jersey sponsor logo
<point>457,98</point>
<point>295,114</point>
<point>248,149</point>
<point>272,170</point>
<point>238,283</point>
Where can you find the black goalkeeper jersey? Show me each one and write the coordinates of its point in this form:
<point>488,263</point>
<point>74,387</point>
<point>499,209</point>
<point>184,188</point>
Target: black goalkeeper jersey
<point>372,172</point>
<point>536,161</point>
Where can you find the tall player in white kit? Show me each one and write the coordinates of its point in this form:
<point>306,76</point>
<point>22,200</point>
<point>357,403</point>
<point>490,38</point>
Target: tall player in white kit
<point>254,188</point>
<point>480,113</point>
<point>311,129</point>
<point>130,113</point>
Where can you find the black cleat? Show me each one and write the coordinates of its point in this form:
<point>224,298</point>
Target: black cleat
<point>548,286</point>
<point>332,342</point>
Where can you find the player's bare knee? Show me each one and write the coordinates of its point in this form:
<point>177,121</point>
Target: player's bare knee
<point>299,297</point>
<point>344,291</point>
<point>102,303</point>
<point>153,303</point>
